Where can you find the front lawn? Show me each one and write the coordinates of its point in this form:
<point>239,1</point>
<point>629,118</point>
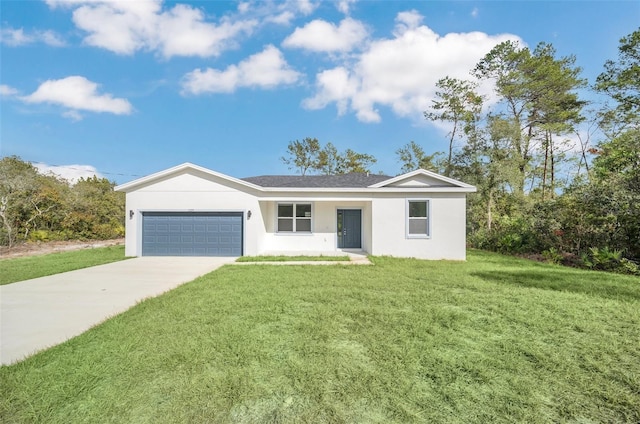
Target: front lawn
<point>491,340</point>
<point>20,269</point>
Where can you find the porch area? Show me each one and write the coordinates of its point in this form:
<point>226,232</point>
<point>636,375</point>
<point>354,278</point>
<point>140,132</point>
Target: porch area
<point>314,227</point>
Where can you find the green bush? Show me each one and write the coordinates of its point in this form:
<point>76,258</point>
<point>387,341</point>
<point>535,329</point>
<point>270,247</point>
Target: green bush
<point>553,256</point>
<point>629,267</point>
<point>39,235</point>
<point>508,235</point>
<point>605,259</point>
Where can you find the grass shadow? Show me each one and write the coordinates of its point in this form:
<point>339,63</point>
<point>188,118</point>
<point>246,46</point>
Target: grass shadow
<point>592,283</point>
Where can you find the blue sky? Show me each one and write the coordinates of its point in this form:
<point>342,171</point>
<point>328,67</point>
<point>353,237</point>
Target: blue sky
<point>129,88</point>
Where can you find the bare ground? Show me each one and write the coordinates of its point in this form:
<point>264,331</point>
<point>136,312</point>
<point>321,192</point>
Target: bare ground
<point>43,248</point>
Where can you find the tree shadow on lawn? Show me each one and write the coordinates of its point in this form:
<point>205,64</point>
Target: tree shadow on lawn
<point>592,283</point>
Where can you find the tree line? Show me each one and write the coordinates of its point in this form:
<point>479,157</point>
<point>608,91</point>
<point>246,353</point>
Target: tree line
<point>309,156</point>
<point>37,207</point>
<point>538,193</point>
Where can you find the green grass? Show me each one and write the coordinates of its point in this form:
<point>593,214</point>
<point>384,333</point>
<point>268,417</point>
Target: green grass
<point>20,269</point>
<point>491,340</point>
<point>283,258</point>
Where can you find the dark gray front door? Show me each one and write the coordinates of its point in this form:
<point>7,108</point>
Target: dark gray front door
<point>349,228</point>
<point>192,233</point>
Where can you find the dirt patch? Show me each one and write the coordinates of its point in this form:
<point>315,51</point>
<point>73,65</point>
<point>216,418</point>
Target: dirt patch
<point>43,248</point>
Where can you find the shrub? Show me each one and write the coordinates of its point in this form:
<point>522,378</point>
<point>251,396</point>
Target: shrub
<point>629,267</point>
<point>553,256</point>
<point>39,235</point>
<point>605,259</point>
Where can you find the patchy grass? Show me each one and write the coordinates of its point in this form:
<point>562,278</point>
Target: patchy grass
<point>25,268</point>
<point>282,258</point>
<point>494,339</point>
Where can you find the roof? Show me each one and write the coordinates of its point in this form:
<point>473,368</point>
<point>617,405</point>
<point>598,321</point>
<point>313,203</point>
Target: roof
<point>419,180</point>
<point>318,181</point>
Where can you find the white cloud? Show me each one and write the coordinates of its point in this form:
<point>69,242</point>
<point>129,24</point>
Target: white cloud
<point>71,173</point>
<point>7,91</point>
<point>125,27</point>
<point>401,72</point>
<point>244,7</point>
<point>306,7</point>
<point>277,12</point>
<point>344,6</point>
<point>78,93</point>
<point>266,69</point>
<point>19,37</point>
<point>74,115</point>
<point>282,18</point>
<point>337,86</point>
<point>184,33</point>
<point>174,29</point>
<point>52,39</point>
<point>406,21</point>
<point>323,36</point>
<point>15,37</point>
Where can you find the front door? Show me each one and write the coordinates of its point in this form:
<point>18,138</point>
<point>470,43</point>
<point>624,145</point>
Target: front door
<point>349,228</point>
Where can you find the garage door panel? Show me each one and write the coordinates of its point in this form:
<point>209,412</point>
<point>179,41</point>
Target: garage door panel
<point>192,233</point>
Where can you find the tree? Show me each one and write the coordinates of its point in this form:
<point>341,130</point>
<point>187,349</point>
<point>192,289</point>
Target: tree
<point>303,155</point>
<point>42,207</point>
<point>48,203</point>
<point>621,79</point>
<point>354,162</point>
<point>537,92</point>
<point>412,157</point>
<point>95,210</point>
<point>22,199</point>
<point>309,156</point>
<point>328,160</point>
<point>516,155</point>
<point>457,103</point>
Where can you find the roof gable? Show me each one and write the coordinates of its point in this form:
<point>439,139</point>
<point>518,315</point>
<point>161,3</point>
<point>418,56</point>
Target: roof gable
<point>185,168</point>
<point>421,178</point>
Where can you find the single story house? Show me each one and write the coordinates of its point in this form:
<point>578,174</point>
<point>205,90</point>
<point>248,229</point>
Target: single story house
<point>189,210</point>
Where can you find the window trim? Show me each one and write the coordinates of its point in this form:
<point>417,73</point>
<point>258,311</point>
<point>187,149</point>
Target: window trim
<point>294,218</point>
<point>427,218</point>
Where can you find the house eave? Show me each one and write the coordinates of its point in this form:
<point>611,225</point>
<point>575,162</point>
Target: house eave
<point>469,189</point>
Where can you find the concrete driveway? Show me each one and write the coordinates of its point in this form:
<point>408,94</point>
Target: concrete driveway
<point>43,312</point>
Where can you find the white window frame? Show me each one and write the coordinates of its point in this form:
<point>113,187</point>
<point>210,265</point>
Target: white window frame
<point>427,218</point>
<point>294,218</point>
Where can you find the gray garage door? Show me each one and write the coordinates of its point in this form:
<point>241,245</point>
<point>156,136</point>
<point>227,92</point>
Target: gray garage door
<point>192,234</point>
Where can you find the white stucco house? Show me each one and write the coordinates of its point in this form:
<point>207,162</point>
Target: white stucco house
<point>189,210</point>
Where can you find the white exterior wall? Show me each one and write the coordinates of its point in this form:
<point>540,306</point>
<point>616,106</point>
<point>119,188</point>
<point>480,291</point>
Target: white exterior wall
<point>190,193</point>
<point>323,237</point>
<point>447,221</point>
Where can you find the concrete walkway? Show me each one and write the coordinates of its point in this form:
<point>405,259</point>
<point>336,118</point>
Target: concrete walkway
<point>43,312</point>
<point>354,259</point>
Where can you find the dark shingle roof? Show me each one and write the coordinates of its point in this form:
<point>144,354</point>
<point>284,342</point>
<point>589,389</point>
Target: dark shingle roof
<point>317,181</point>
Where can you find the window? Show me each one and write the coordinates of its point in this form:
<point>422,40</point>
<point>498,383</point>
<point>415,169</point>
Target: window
<point>417,218</point>
<point>294,218</point>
